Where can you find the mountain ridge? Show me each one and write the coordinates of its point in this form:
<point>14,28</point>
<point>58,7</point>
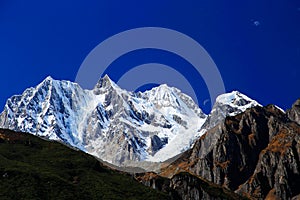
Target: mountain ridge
<point>151,126</point>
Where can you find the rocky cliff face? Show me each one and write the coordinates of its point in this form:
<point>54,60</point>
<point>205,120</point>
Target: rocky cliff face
<point>227,154</point>
<point>277,174</point>
<point>255,154</point>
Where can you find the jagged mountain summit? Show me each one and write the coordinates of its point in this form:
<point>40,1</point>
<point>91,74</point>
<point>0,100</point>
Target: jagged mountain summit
<point>113,124</point>
<point>229,104</point>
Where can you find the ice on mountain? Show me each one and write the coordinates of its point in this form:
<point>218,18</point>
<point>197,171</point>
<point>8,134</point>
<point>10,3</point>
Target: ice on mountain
<point>114,124</point>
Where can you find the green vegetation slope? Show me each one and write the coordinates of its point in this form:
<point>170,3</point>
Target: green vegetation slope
<point>33,168</point>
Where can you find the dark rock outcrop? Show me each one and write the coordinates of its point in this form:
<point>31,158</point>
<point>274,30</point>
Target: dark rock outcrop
<point>277,173</point>
<point>187,186</point>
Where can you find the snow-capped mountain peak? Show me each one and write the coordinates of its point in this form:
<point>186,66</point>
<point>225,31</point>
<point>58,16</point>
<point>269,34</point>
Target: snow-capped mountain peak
<point>228,104</point>
<point>104,84</point>
<point>113,124</point>
<point>48,78</point>
<point>236,99</point>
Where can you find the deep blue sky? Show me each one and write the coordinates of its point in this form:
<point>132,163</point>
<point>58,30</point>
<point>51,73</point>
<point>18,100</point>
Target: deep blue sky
<point>255,44</point>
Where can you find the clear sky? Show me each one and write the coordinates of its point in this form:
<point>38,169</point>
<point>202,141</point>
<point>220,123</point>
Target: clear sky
<point>255,44</point>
